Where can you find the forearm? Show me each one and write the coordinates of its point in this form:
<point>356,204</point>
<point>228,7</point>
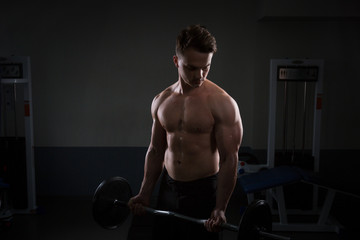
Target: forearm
<point>226,181</point>
<point>154,162</point>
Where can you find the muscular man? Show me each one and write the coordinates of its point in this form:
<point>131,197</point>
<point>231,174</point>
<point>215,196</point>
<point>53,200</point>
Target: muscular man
<point>196,135</point>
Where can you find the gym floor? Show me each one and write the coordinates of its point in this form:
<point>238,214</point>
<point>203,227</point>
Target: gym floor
<point>61,218</point>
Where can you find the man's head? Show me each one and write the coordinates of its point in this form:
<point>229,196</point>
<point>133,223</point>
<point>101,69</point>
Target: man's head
<point>195,47</point>
<point>196,37</point>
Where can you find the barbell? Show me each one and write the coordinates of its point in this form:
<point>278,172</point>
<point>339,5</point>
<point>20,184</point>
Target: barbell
<point>110,210</point>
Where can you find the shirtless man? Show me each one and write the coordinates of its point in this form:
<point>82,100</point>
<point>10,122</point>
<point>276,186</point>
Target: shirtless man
<point>196,135</point>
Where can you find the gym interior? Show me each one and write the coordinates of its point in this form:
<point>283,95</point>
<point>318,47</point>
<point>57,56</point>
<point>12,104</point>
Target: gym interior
<point>78,79</point>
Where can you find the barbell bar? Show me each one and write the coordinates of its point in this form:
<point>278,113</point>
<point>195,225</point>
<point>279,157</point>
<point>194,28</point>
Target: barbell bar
<point>110,210</point>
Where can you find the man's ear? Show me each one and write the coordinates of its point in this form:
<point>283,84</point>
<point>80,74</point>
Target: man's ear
<point>176,61</point>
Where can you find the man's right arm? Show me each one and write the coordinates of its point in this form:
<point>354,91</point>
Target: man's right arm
<point>154,162</point>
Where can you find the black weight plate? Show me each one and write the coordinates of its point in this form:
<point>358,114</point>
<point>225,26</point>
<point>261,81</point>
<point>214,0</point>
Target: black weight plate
<point>257,216</point>
<point>105,212</point>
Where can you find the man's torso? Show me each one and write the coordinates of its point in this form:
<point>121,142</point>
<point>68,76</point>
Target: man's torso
<point>189,123</point>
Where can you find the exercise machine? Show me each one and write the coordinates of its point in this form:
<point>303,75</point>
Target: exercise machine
<point>16,132</point>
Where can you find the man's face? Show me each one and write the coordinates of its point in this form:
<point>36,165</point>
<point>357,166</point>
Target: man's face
<point>193,67</point>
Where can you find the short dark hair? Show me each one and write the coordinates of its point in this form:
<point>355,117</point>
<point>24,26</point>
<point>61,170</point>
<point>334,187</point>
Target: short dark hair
<point>197,37</point>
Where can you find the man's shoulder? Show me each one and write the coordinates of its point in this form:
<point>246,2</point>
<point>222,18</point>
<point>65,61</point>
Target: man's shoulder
<point>220,102</point>
<point>216,93</point>
<point>159,98</point>
<point>164,94</point>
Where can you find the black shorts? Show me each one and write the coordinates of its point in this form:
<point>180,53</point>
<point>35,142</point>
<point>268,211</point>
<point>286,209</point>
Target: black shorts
<point>195,199</point>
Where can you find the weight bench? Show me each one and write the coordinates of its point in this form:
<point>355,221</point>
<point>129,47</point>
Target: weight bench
<point>272,181</point>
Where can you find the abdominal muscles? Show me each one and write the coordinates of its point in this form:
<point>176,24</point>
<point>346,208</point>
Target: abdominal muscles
<point>191,156</point>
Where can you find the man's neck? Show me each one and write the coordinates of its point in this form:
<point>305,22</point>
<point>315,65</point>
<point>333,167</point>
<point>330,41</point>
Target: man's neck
<point>184,88</point>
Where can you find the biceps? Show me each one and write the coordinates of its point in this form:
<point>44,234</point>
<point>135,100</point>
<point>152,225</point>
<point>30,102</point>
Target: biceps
<point>228,139</point>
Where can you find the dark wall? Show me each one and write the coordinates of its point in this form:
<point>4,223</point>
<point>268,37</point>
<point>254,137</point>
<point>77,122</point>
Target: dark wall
<point>97,65</point>
<point>77,171</point>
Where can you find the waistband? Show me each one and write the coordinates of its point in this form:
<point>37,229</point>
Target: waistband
<point>194,184</point>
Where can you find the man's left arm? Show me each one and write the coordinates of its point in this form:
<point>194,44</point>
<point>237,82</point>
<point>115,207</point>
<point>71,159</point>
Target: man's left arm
<point>228,134</point>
